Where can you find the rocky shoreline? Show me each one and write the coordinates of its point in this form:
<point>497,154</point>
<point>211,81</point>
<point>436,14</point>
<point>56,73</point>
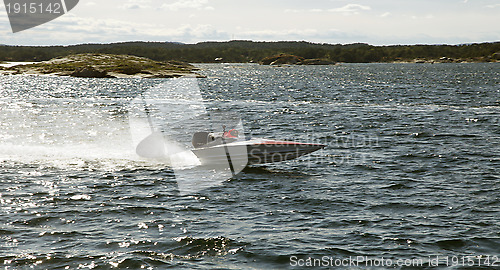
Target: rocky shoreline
<point>103,66</point>
<point>289,59</point>
<point>92,65</point>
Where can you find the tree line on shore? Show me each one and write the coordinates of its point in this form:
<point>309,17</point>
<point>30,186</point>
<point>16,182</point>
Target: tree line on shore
<point>250,51</point>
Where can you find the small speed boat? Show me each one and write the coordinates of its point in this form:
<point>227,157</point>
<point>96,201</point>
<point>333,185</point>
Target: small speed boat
<point>213,148</point>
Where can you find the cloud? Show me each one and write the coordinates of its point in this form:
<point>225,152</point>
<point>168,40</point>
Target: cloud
<point>137,4</point>
<point>187,4</point>
<point>281,34</point>
<point>387,23</point>
<point>422,17</point>
<point>350,9</point>
<point>304,10</point>
<point>309,34</point>
<point>200,32</point>
<point>73,29</point>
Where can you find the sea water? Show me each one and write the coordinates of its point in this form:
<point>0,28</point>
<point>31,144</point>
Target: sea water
<point>410,174</point>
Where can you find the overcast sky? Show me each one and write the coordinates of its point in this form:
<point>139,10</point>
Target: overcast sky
<point>381,22</point>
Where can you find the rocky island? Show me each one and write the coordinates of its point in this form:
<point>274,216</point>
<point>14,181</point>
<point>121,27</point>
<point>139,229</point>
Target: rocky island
<point>92,65</point>
<point>289,59</point>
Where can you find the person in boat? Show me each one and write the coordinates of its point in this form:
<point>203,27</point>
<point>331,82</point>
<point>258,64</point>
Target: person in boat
<point>231,134</point>
<point>204,139</point>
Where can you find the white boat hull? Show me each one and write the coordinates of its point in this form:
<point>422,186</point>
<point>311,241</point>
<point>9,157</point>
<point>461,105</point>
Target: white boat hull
<point>257,151</point>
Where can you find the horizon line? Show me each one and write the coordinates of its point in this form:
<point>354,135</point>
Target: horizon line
<point>254,41</point>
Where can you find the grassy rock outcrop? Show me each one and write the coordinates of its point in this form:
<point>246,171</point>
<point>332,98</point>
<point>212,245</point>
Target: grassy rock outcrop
<point>90,72</point>
<point>105,66</point>
<point>289,59</point>
<point>317,62</point>
<point>281,59</point>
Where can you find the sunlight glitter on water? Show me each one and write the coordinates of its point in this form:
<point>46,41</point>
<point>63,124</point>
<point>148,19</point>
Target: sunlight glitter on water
<point>73,194</point>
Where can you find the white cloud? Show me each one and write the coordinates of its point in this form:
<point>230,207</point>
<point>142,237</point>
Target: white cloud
<point>428,17</point>
<point>309,34</point>
<point>304,10</point>
<point>279,33</point>
<point>88,29</point>
<point>195,33</point>
<point>350,9</point>
<point>137,4</point>
<point>383,22</point>
<point>187,4</point>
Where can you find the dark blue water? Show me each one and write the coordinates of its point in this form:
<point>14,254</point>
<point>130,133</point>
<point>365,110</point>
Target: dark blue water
<point>411,171</point>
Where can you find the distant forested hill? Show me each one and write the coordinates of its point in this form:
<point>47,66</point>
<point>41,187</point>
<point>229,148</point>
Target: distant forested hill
<point>250,51</point>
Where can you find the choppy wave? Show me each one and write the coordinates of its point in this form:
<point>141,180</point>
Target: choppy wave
<point>411,170</point>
